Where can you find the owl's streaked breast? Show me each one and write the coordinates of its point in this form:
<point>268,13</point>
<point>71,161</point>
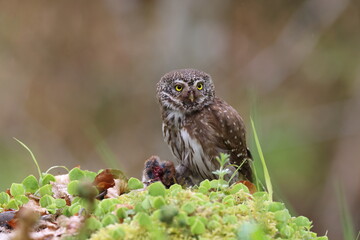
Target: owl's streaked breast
<point>186,147</point>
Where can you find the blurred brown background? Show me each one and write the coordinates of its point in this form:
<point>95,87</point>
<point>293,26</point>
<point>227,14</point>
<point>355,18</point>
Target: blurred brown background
<point>77,85</point>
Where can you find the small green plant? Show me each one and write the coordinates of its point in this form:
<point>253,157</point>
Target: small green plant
<point>223,159</point>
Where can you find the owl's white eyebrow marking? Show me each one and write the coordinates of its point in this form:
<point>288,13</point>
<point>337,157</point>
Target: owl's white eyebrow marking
<point>198,81</point>
<point>179,81</point>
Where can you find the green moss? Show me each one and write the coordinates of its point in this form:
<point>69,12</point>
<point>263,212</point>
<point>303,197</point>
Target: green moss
<point>213,210</point>
<point>230,213</point>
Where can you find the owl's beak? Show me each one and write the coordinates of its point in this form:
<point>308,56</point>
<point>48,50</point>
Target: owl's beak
<point>191,97</point>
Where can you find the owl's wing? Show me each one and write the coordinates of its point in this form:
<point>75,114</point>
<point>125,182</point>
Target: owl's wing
<point>230,136</point>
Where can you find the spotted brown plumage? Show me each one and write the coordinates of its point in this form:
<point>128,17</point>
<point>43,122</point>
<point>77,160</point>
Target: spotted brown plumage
<point>198,126</point>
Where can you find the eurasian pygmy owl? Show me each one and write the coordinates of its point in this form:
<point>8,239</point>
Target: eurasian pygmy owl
<point>198,126</point>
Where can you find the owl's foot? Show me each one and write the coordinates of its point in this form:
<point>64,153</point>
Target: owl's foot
<point>183,176</point>
<point>157,170</point>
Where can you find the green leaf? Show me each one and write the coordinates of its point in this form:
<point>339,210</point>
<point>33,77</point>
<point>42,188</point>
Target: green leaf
<point>13,204</point>
<point>117,233</point>
<point>261,196</point>
<point>4,198</point>
<point>282,215</point>
<point>157,189</point>
<point>302,222</point>
<point>73,188</point>
<point>214,183</point>
<point>223,159</point>
<point>203,190</point>
<point>109,219</point>
<point>30,184</point>
<point>134,183</point>
<point>263,163</point>
<point>46,201</point>
<point>230,219</point>
<point>146,204</point>
<point>243,208</point>
<point>237,187</point>
<point>51,208</point>
<point>66,212</point>
<point>213,224</point>
<point>60,203</point>
<point>139,208</point>
<point>188,207</point>
<point>197,227</point>
<point>74,208</point>
<point>158,202</point>
<point>93,224</point>
<point>182,218</point>
<point>90,175</point>
<point>228,200</point>
<point>286,231</point>
<point>99,212</point>
<point>47,178</point>
<point>17,189</point>
<point>175,188</point>
<point>143,219</point>
<point>45,190</point>
<point>167,214</point>
<point>22,199</point>
<point>275,206</point>
<point>32,155</point>
<point>76,174</point>
<point>213,195</point>
<point>205,184</point>
<point>108,205</point>
<point>121,212</point>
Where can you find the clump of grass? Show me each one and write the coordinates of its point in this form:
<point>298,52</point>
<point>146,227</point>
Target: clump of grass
<point>346,219</point>
<point>263,163</point>
<point>32,156</point>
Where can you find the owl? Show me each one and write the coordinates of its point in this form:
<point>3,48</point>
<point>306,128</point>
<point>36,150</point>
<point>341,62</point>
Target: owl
<point>198,126</point>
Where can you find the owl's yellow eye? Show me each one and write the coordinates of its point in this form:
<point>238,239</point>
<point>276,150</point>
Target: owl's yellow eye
<point>200,86</point>
<point>178,88</point>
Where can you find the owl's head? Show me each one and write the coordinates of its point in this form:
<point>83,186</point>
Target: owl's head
<point>185,90</point>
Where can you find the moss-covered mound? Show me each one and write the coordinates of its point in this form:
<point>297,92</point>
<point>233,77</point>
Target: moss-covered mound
<point>202,213</point>
<point>107,205</point>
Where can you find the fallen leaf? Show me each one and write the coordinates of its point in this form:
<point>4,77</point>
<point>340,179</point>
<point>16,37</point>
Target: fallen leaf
<point>250,186</point>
